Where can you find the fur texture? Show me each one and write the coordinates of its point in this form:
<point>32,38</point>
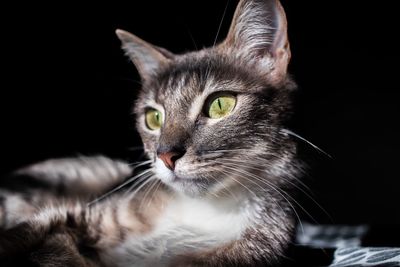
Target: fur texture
<point>227,199</point>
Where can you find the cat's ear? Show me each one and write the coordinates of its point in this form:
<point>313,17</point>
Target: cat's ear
<point>147,58</point>
<point>258,34</point>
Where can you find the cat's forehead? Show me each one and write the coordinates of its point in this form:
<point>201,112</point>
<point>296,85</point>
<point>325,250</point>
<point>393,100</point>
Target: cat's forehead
<point>192,76</point>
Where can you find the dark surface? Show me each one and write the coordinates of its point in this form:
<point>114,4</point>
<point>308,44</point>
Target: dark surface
<point>310,257</point>
<point>66,88</point>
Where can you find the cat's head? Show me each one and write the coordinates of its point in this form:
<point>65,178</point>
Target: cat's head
<point>212,120</point>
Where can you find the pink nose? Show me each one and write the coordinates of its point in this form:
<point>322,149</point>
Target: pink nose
<point>169,159</point>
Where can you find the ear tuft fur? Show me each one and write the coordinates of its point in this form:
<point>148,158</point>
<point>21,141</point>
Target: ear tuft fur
<point>258,35</point>
<point>146,57</point>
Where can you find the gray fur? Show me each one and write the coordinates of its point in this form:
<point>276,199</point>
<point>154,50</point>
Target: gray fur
<point>242,166</point>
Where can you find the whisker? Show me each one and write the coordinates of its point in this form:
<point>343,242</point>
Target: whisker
<point>249,165</point>
<point>229,175</point>
<point>158,182</point>
<point>286,131</point>
<point>253,165</point>
<point>250,175</point>
<point>224,187</point>
<point>248,189</point>
<point>221,22</point>
<point>138,164</point>
<point>148,190</point>
<point>141,186</point>
<point>191,37</point>
<point>281,192</point>
<point>137,183</point>
<point>118,187</point>
<point>227,150</point>
<point>212,194</point>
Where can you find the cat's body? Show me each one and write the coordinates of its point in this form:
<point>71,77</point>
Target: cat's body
<point>166,229</point>
<point>222,162</point>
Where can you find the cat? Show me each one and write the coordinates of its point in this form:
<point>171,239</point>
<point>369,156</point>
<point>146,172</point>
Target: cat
<point>221,172</point>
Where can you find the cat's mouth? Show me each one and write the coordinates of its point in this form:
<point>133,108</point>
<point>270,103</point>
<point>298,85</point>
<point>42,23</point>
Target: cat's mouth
<point>169,176</point>
<point>178,179</point>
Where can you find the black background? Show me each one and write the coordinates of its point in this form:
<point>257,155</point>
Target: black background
<point>67,89</point>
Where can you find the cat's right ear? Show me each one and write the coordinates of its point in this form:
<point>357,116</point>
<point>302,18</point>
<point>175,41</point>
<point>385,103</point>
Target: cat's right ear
<point>147,58</point>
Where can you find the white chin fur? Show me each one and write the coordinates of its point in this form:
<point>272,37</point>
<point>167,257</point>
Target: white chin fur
<point>162,172</point>
<point>182,184</point>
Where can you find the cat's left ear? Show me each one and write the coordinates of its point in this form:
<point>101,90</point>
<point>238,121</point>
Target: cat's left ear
<point>147,58</point>
<point>258,35</point>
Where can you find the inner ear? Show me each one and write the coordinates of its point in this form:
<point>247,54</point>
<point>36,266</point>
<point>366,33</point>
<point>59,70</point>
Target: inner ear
<point>258,35</point>
<point>147,58</point>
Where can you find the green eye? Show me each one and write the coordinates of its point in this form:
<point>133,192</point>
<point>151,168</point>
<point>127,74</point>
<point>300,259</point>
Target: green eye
<point>221,106</point>
<point>154,119</point>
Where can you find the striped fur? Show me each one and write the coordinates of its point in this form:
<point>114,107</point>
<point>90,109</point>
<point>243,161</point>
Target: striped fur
<point>228,200</point>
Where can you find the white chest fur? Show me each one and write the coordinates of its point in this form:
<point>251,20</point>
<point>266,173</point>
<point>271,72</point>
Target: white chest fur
<point>226,219</point>
<point>188,225</point>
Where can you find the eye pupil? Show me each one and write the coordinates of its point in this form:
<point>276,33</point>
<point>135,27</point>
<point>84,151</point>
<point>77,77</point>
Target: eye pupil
<point>219,103</point>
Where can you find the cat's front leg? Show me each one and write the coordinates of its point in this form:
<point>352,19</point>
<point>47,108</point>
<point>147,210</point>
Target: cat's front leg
<point>26,191</point>
<point>76,177</point>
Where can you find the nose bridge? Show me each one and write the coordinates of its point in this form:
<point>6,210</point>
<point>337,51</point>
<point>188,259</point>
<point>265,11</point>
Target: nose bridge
<point>174,136</point>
